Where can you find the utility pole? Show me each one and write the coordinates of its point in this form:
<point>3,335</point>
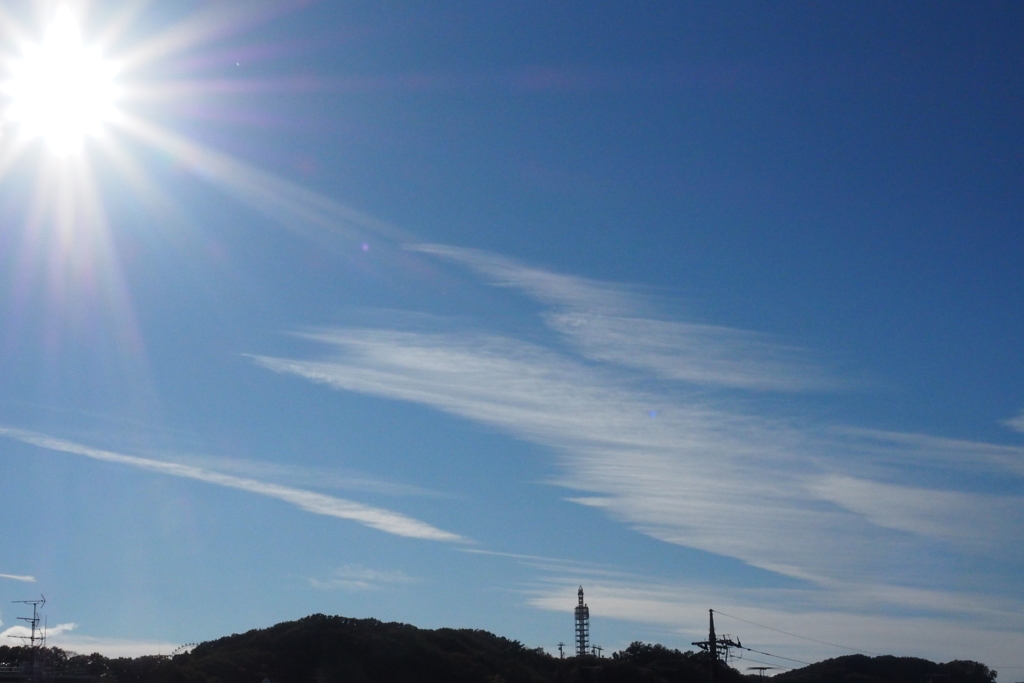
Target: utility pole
<point>561,653</point>
<point>713,645</point>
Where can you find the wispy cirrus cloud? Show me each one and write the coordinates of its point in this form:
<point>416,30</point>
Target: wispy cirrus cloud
<point>718,470</point>
<point>381,519</point>
<point>618,324</point>
<point>1016,423</point>
<point>553,289</point>
<point>18,577</point>
<point>958,517</point>
<point>304,475</point>
<point>359,578</point>
<point>697,474</point>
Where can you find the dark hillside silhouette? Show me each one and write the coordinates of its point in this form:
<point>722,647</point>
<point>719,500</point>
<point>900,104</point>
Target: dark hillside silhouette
<point>330,649</point>
<point>888,669</point>
<point>327,649</point>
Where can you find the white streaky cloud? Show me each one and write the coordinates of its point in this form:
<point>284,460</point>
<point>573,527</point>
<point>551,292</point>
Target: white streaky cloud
<point>696,475</point>
<point>811,501</point>
<point>18,577</point>
<point>554,565</point>
<point>886,449</point>
<point>950,515</point>
<point>648,423</point>
<point>553,289</point>
<point>701,354</point>
<point>615,324</point>
<point>1016,423</point>
<point>377,518</point>
<point>301,475</point>
<point>24,632</point>
<point>997,612</point>
<point>359,578</point>
<point>540,561</point>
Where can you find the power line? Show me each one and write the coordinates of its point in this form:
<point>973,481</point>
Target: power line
<point>813,640</point>
<point>769,654</point>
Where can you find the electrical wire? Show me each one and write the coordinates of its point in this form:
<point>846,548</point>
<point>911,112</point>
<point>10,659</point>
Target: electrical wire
<point>813,640</point>
<point>769,654</point>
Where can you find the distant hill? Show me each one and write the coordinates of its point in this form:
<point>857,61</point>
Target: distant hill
<point>331,649</point>
<point>887,669</point>
<point>324,649</point>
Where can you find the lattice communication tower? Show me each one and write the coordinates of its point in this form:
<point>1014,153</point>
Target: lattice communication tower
<point>582,626</point>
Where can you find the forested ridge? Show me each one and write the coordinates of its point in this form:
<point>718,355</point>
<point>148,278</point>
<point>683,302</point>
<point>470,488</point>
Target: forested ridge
<point>333,649</point>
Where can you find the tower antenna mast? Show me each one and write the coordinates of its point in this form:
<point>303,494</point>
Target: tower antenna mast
<point>582,626</point>
<point>36,635</point>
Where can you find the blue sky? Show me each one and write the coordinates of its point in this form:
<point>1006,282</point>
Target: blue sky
<point>434,314</point>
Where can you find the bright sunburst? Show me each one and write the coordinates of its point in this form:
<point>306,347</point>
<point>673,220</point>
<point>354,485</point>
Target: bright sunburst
<point>61,90</point>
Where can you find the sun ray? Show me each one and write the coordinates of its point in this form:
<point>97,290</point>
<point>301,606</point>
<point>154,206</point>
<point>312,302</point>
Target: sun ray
<point>122,21</point>
<point>190,88</point>
<point>62,90</point>
<point>68,290</point>
<point>11,152</point>
<point>140,182</point>
<point>216,21</point>
<point>296,207</point>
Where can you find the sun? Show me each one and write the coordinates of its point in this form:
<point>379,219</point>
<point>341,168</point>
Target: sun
<point>61,90</point>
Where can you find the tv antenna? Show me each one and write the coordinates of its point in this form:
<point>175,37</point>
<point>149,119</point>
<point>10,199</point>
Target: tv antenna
<point>37,635</point>
<point>760,670</point>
